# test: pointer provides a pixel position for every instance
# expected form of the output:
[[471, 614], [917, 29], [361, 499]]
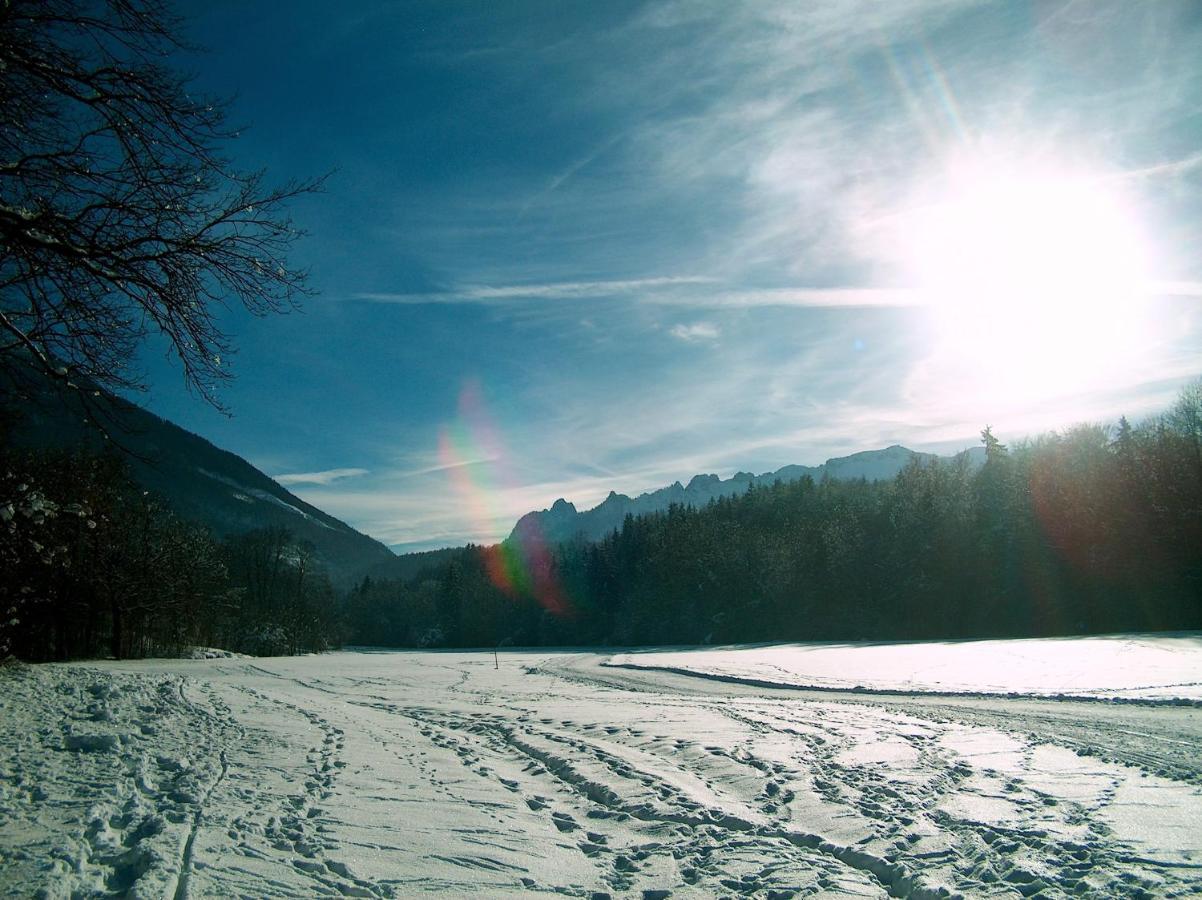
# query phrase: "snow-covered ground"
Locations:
[[394, 773], [1160, 667]]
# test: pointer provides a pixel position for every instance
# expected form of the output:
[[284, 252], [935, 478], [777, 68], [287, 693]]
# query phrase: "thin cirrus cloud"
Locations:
[[436, 468], [696, 291], [486, 294], [802, 297], [710, 293]]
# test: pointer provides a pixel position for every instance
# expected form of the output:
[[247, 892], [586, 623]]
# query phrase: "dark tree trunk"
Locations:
[[115, 636]]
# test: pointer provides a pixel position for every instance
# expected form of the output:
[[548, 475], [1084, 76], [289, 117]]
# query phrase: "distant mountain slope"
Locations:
[[405, 566], [202, 482], [563, 521]]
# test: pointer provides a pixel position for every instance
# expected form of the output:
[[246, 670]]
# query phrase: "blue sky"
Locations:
[[575, 247]]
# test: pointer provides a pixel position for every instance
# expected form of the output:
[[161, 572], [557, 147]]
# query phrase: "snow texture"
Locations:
[[379, 774]]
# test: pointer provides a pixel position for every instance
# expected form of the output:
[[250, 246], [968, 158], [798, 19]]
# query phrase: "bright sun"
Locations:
[[1035, 279]]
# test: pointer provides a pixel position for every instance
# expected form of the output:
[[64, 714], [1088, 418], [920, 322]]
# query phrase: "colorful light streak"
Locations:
[[476, 462]]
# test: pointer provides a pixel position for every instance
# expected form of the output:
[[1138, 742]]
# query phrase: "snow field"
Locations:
[[1113, 667], [394, 774], [104, 778]]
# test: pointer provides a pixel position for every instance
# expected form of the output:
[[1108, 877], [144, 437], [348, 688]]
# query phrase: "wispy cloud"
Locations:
[[818, 298], [562, 290], [1169, 169], [697, 331], [694, 291], [571, 171], [327, 477], [446, 467]]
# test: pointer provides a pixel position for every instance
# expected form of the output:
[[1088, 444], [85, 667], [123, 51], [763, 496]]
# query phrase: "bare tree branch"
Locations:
[[119, 215]]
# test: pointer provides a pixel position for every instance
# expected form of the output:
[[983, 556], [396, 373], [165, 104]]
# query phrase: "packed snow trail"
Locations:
[[379, 774]]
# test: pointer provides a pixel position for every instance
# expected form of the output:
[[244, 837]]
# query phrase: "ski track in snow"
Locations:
[[377, 774]]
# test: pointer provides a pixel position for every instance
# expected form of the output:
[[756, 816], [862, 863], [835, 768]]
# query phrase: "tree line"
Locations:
[[94, 566], [1089, 530]]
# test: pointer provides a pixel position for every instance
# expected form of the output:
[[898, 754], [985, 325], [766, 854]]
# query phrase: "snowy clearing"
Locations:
[[382, 774], [1161, 667]]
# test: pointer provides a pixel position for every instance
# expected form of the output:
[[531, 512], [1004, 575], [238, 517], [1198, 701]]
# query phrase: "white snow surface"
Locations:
[[1160, 667], [212, 653], [382, 774]]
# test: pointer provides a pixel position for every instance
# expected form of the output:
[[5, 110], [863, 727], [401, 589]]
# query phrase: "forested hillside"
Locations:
[[1093, 529], [196, 479], [93, 565]]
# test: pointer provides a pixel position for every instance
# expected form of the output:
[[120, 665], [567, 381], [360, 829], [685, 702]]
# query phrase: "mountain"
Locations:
[[563, 521], [200, 481]]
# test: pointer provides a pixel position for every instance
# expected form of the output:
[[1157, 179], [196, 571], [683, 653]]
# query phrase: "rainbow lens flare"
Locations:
[[473, 454]]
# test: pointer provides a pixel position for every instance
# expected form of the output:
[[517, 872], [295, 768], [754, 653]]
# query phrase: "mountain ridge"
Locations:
[[562, 521]]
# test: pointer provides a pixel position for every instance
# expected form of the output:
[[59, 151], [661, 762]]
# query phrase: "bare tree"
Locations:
[[119, 215]]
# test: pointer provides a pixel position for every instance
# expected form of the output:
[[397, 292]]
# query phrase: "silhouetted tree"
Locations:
[[119, 215]]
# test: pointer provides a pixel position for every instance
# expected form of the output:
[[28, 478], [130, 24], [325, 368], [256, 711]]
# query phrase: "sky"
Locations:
[[574, 247]]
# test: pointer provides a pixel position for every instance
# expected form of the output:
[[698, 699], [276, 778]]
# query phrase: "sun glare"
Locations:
[[1035, 280]]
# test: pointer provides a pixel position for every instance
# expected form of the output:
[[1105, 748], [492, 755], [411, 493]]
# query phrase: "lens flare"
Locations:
[[473, 454]]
